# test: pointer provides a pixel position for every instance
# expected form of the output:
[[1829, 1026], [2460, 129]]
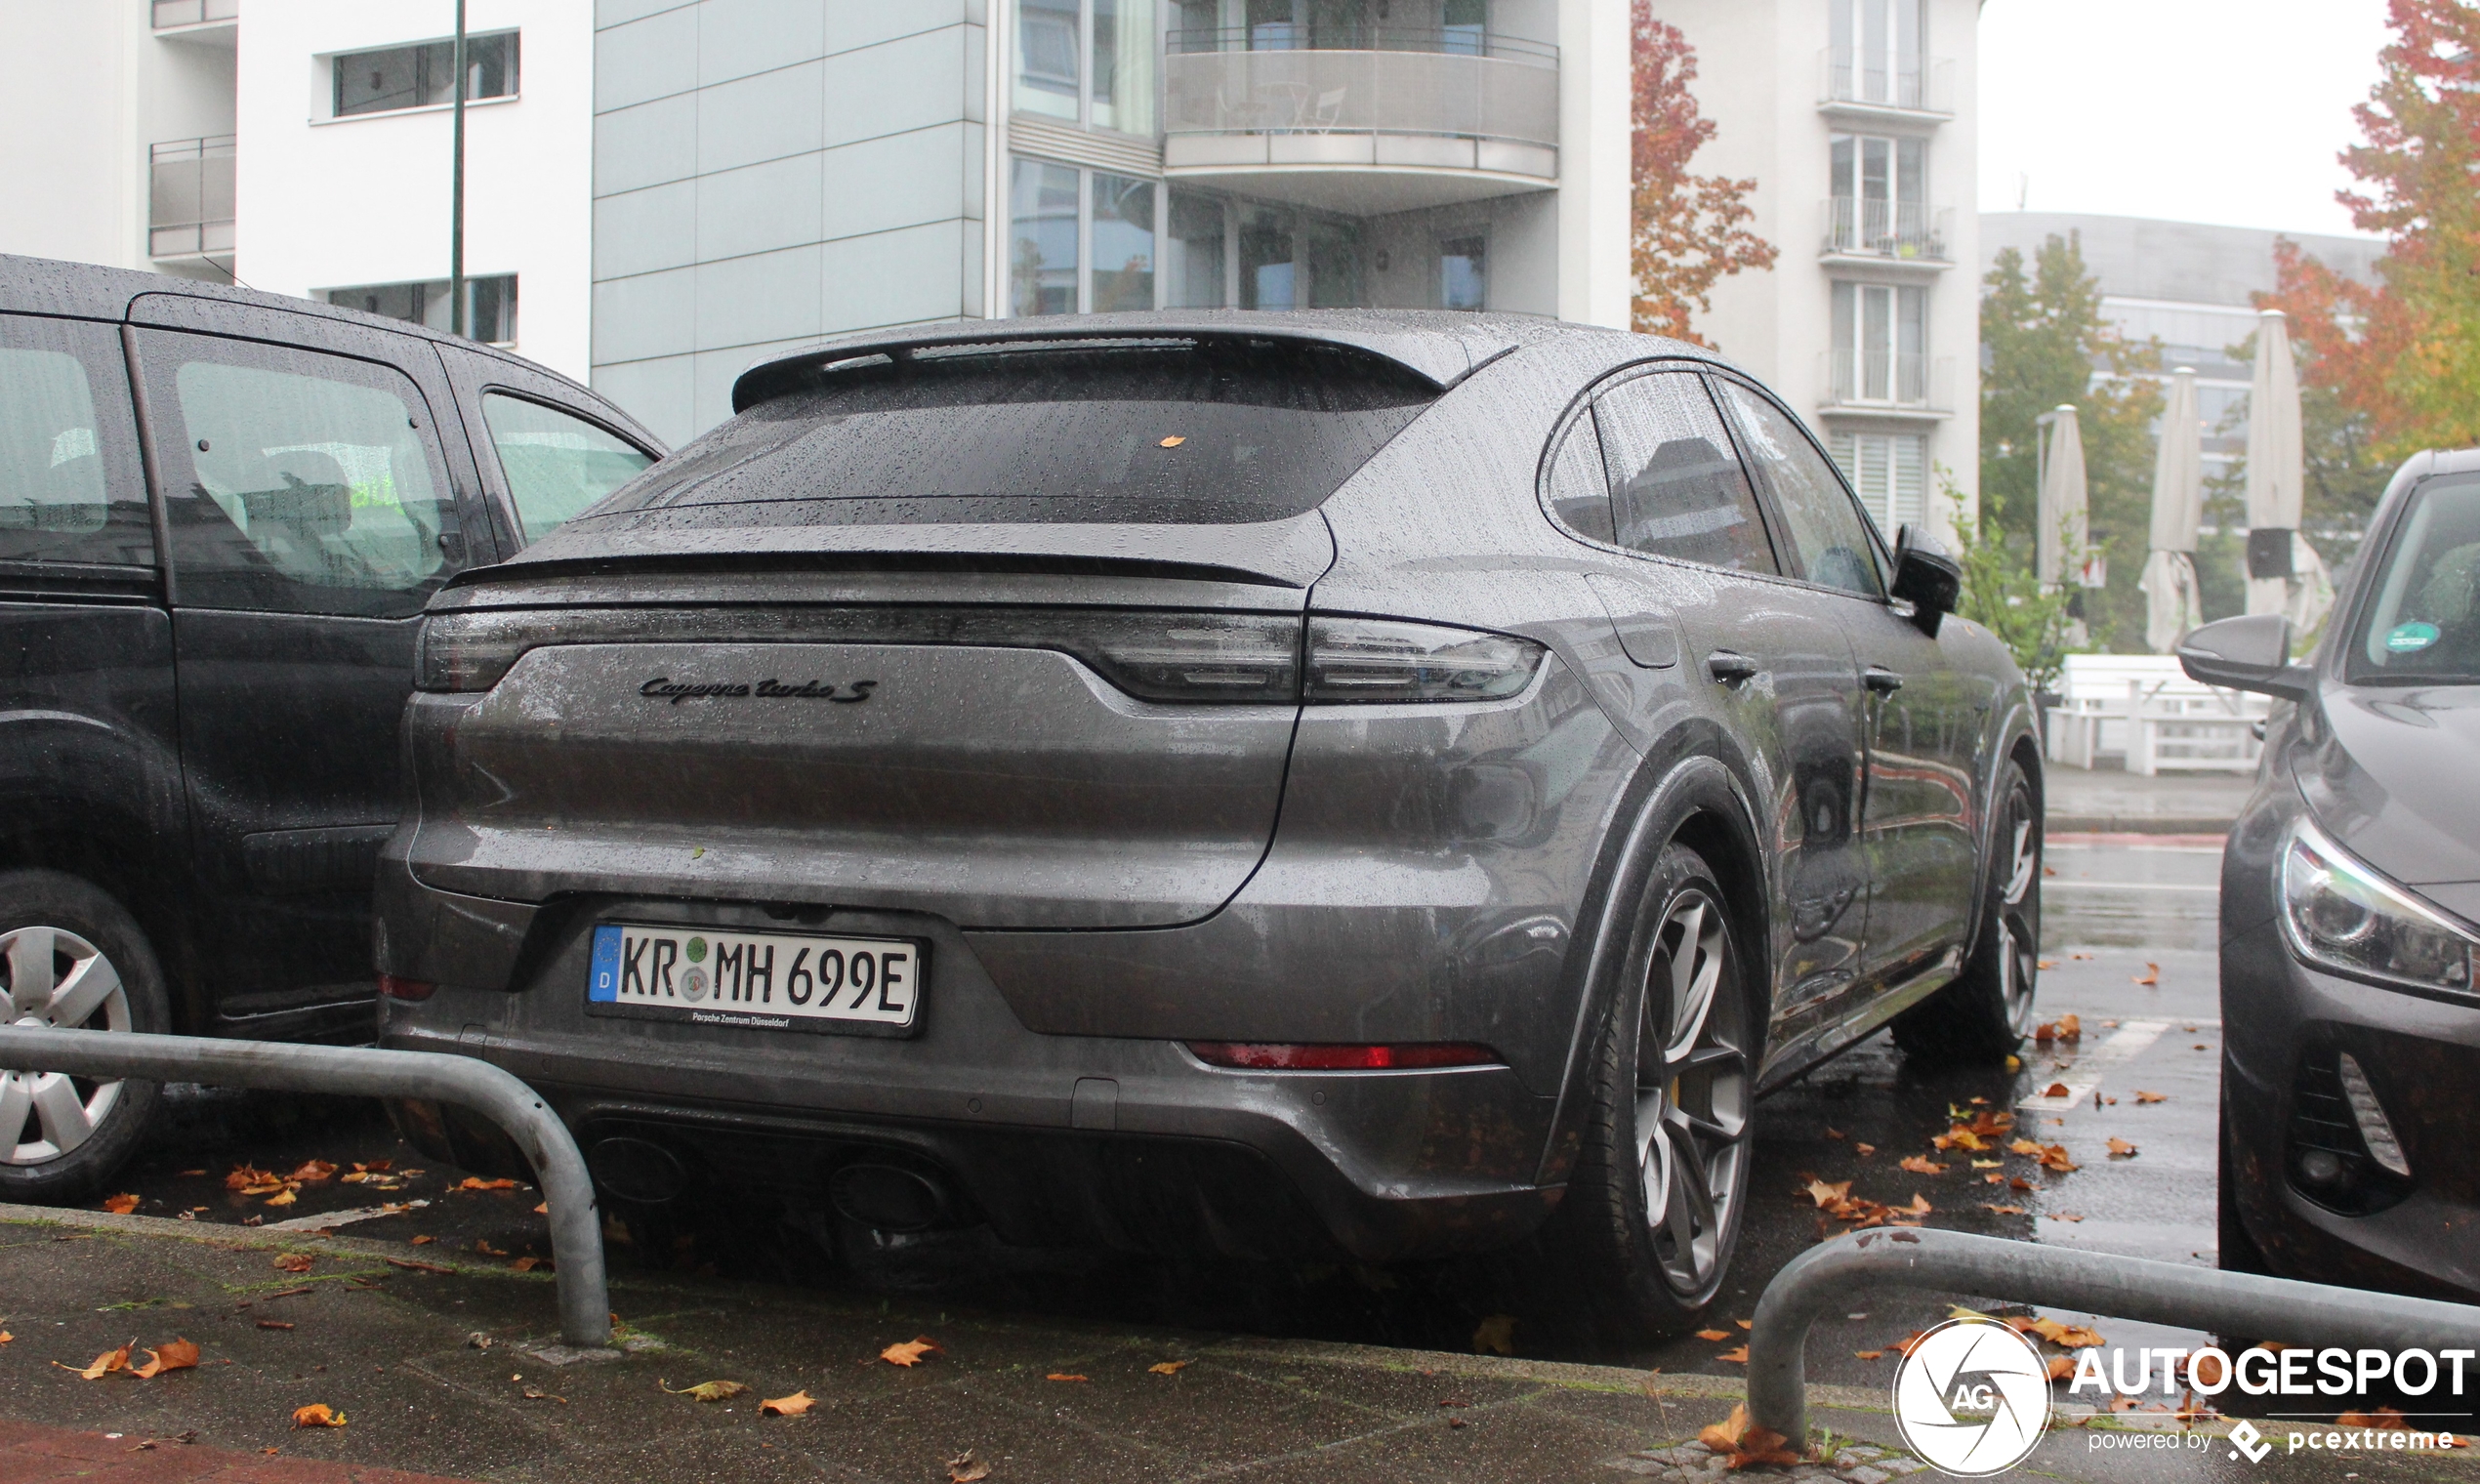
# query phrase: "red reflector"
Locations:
[[1263, 1055], [397, 988]]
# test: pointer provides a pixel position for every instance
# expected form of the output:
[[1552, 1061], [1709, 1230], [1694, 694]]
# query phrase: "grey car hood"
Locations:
[[2396, 781]]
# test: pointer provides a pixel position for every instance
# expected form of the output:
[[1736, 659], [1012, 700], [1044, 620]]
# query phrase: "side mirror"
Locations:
[[1926, 578], [2250, 652]]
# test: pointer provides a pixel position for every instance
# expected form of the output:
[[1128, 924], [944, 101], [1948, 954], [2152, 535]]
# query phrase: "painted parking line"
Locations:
[[2084, 1074]]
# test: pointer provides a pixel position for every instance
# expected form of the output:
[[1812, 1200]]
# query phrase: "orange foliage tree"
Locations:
[[1688, 232], [2405, 355]]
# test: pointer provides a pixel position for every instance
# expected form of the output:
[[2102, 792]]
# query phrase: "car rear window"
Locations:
[[1203, 432]]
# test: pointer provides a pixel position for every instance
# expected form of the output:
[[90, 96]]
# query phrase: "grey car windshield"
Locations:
[[2423, 619], [1208, 432]]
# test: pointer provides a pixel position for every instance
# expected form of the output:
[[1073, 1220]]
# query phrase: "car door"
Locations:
[[313, 510], [1781, 670], [545, 451], [1917, 813]]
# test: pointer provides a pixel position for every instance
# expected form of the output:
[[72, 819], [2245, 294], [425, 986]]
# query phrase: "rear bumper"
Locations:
[[1054, 1140]]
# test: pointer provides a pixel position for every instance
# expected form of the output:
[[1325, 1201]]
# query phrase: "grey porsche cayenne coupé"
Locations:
[[1278, 784]]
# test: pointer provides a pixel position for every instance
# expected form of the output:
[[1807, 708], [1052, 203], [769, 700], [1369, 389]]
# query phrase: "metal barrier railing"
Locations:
[[576, 1237], [1821, 1278]]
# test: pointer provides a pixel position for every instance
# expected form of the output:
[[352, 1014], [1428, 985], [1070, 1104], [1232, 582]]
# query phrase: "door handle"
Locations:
[[1881, 679], [1730, 667]]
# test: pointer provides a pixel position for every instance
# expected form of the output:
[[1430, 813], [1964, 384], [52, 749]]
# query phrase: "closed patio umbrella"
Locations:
[[2172, 603], [2059, 542], [2285, 574]]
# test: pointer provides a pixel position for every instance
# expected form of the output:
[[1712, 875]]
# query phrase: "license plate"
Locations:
[[765, 980]]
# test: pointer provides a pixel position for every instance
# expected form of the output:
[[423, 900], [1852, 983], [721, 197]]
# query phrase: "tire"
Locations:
[[2234, 1251], [62, 1138], [1645, 1236], [1984, 1015]]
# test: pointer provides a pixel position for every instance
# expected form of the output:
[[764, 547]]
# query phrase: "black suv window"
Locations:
[[1204, 432], [67, 490], [296, 482], [1827, 530], [1677, 489], [556, 463]]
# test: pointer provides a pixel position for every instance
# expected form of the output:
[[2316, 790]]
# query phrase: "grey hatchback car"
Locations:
[[1336, 783]]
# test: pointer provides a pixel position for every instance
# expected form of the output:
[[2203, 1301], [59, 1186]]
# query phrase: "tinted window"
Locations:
[[1208, 433], [298, 483], [556, 465], [425, 76], [1677, 489], [1579, 486], [68, 493], [1827, 530], [2423, 620]]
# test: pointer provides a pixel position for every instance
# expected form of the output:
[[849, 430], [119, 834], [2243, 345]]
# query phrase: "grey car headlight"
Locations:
[[2340, 915]]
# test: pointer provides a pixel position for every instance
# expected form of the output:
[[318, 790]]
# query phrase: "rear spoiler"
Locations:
[[1441, 348]]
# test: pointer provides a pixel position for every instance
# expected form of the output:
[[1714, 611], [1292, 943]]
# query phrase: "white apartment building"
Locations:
[[1856, 120], [770, 171], [303, 146]]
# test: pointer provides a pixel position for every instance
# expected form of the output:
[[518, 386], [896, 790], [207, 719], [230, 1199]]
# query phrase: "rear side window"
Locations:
[[1182, 433], [556, 465], [66, 492], [1676, 487]]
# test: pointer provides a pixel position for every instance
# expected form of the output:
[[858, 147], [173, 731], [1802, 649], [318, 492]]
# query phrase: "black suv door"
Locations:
[[312, 508]]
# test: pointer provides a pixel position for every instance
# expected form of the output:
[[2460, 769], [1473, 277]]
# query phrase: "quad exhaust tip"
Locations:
[[891, 1197], [637, 1169]]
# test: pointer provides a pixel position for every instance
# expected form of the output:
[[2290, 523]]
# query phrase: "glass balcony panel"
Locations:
[[190, 196], [1877, 79], [176, 13], [1360, 92], [1907, 229]]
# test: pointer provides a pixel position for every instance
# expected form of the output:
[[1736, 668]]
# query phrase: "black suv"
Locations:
[[220, 512]]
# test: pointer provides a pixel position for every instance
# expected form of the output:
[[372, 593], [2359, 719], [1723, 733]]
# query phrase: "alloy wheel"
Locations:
[[57, 979], [1692, 1094], [2018, 914]]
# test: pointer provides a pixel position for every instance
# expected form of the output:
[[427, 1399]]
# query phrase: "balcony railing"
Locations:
[[1873, 79], [1862, 380], [1270, 91], [173, 12], [1901, 230], [1290, 36], [189, 197]]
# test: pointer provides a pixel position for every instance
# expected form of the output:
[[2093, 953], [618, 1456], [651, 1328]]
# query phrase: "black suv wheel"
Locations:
[[1986, 1012]]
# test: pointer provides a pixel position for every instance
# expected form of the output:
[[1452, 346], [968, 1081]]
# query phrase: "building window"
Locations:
[[1890, 473], [1123, 242], [1194, 253], [1877, 51], [424, 76], [1087, 61], [1042, 256], [1464, 273], [1062, 219], [1881, 352], [490, 305], [1880, 197]]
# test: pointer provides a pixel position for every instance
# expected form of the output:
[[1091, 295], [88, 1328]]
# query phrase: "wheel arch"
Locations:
[[2022, 747], [112, 850]]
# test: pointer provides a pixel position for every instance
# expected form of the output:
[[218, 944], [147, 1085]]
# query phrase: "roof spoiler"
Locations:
[[1441, 350]]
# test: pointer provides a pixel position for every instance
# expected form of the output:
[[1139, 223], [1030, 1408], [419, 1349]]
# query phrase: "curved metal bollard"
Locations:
[[1821, 1280], [576, 1237]]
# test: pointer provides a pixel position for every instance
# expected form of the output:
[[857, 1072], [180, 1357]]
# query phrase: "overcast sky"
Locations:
[[2228, 111]]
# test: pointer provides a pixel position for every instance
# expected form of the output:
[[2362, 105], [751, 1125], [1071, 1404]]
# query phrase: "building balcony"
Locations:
[[189, 198], [194, 15], [1899, 232], [1886, 383], [1404, 120], [1871, 84]]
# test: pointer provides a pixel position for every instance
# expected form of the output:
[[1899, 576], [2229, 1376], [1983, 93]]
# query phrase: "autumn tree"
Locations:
[[2403, 354], [1688, 232], [2045, 343]]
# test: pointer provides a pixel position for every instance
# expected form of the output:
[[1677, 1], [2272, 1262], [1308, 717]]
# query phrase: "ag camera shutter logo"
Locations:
[[1972, 1398]]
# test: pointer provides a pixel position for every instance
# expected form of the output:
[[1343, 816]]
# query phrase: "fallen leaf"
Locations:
[[293, 1262], [6, 1336], [1868, 1354], [1919, 1207], [708, 1391], [1166, 1367], [311, 1172], [1174, 441], [1065, 1376], [1865, 1149], [1713, 1334], [965, 1468], [2054, 1157], [2066, 1215], [2152, 974], [486, 1249], [2079, 954], [787, 1406], [2044, 964], [420, 1241], [1834, 1133], [273, 1323], [1922, 1164], [2123, 1404], [1496, 1333], [243, 1178], [2120, 1149], [2003, 1211], [472, 1183], [910, 1352], [282, 1197], [104, 1363], [2383, 1417], [1740, 1440], [317, 1415], [1909, 1342], [1738, 1357], [526, 1264], [2061, 1368], [542, 1210], [537, 1394], [1826, 1195], [1989, 1164], [2018, 1182], [2070, 1028], [178, 1355], [121, 1205], [1744, 1324], [2142, 1097], [2025, 1146]]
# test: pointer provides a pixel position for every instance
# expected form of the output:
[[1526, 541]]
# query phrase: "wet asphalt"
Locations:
[[2118, 912]]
